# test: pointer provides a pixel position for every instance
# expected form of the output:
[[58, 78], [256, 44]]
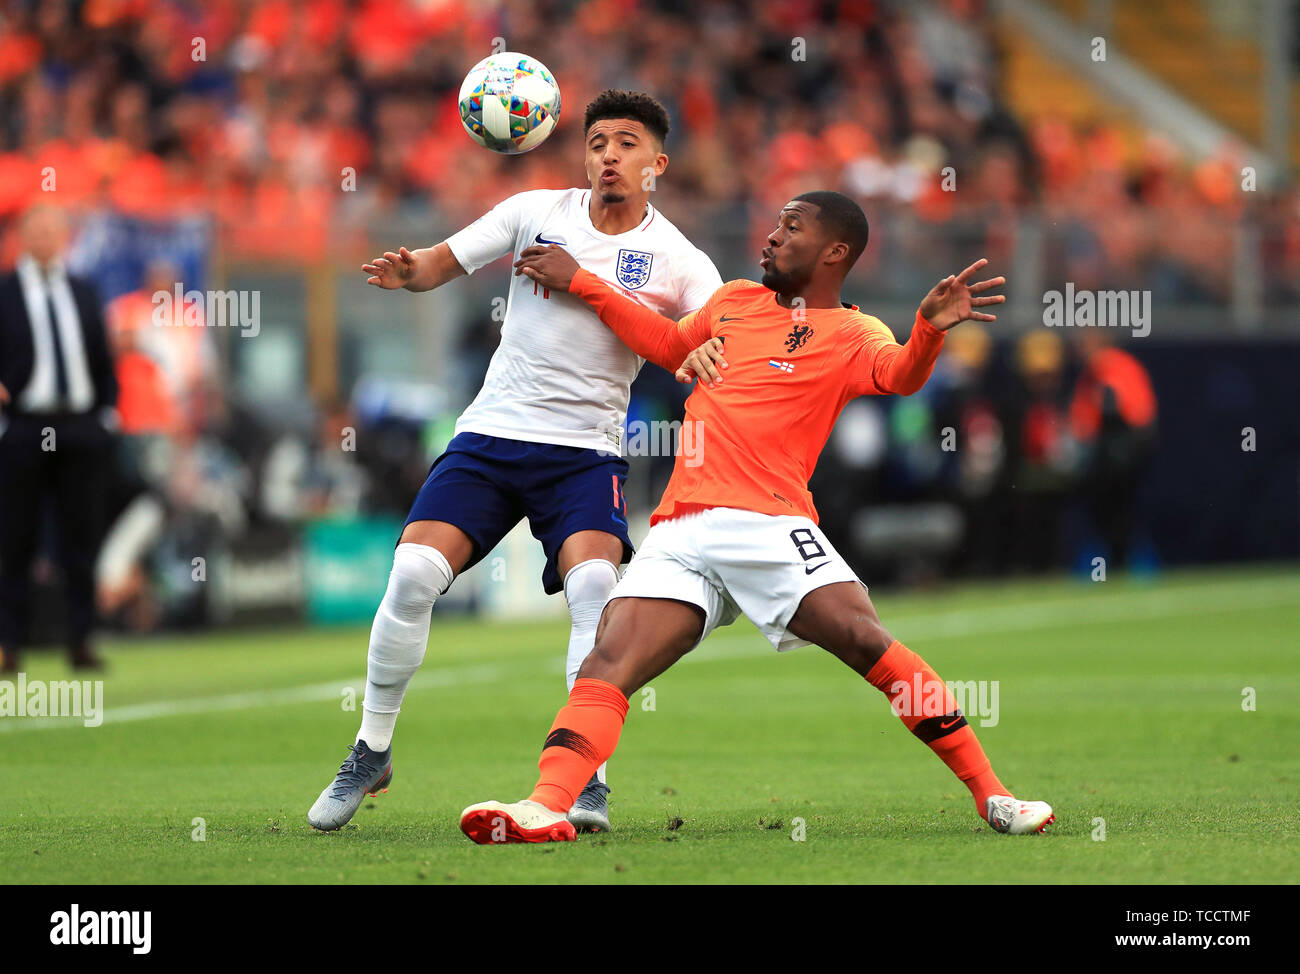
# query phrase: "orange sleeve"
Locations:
[[652, 336], [881, 365]]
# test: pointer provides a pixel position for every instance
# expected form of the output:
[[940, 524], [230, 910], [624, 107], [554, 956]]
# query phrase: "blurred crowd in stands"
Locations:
[[299, 127], [252, 110]]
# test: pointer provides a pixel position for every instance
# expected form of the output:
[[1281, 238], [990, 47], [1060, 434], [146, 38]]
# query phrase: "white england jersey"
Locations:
[[560, 376]]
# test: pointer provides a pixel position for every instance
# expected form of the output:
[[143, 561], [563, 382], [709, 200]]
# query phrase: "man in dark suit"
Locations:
[[58, 395]]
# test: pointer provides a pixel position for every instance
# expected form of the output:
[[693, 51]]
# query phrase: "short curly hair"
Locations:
[[842, 217], [636, 105]]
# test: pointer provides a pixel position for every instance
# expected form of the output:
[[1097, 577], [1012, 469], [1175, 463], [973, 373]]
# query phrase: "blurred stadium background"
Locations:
[[271, 147]]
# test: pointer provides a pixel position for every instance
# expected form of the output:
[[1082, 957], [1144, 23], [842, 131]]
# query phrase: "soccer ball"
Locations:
[[509, 103]]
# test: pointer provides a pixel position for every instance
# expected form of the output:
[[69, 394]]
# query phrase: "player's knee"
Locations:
[[420, 574], [590, 582]]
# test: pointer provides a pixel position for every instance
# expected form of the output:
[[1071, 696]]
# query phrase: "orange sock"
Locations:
[[583, 736], [929, 711]]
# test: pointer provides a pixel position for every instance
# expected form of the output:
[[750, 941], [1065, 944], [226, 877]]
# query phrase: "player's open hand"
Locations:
[[952, 300], [391, 271], [705, 363], [550, 266]]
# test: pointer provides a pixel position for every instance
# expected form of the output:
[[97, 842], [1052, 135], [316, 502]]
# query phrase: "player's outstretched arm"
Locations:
[[652, 336], [418, 270]]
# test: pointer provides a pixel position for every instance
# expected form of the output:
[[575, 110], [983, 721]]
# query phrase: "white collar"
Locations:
[[26, 265], [645, 222]]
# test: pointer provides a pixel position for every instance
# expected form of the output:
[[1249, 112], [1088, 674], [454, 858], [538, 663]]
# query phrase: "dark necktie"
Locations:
[[60, 366]]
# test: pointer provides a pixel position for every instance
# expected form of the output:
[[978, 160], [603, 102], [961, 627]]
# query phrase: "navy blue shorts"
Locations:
[[485, 485]]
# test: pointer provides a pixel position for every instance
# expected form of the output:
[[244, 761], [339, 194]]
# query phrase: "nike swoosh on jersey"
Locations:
[[809, 571], [725, 318], [538, 239]]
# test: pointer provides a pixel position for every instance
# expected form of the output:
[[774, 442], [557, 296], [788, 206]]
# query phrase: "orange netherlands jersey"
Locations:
[[758, 435]]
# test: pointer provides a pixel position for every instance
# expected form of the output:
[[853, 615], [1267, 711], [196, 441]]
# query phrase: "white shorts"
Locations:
[[728, 561]]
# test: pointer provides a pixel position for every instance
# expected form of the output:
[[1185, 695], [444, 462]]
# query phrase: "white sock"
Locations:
[[586, 589], [399, 637]]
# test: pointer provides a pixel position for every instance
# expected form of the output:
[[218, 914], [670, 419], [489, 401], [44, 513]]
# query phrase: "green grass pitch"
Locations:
[[1119, 701]]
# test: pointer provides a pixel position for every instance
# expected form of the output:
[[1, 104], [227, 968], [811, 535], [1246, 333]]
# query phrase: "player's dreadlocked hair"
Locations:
[[842, 217], [636, 105]]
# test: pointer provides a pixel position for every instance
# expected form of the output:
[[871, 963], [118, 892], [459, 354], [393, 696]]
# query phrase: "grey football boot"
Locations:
[[365, 772], [590, 813]]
